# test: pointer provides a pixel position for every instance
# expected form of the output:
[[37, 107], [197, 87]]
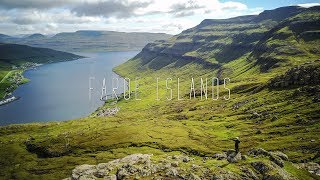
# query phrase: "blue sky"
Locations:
[[272, 4], [167, 16]]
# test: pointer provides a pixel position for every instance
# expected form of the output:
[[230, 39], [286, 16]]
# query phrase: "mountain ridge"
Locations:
[[221, 41], [89, 40]]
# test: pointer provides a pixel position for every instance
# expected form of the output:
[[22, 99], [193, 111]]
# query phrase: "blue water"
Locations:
[[60, 91]]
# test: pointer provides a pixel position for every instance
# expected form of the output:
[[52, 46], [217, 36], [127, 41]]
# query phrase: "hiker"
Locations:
[[236, 144]]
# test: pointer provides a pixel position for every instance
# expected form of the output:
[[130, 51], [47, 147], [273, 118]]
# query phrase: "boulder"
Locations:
[[248, 174], [229, 152], [225, 175], [220, 156], [255, 115], [122, 173], [276, 157], [186, 159], [192, 176], [270, 170], [175, 164], [276, 160], [110, 177], [234, 157], [172, 172], [84, 170], [261, 167], [282, 155], [312, 167]]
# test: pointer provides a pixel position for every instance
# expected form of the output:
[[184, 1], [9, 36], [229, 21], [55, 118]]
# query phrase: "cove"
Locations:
[[59, 91]]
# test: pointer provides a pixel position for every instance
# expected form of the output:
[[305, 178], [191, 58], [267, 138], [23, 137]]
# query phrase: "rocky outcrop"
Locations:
[[107, 112], [312, 167], [270, 170], [135, 166], [308, 74], [276, 157], [261, 165]]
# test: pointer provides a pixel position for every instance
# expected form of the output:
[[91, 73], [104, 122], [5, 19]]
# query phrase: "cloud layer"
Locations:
[[52, 16]]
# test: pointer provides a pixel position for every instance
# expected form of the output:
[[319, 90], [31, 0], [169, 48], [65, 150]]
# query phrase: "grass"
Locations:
[[150, 126], [199, 128]]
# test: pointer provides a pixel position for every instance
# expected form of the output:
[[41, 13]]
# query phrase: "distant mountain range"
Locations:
[[87, 40]]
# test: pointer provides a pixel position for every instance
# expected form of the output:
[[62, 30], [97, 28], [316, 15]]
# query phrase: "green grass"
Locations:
[[195, 127]]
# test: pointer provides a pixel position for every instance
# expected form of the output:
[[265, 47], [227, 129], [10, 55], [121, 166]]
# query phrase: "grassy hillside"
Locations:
[[272, 61], [89, 40]]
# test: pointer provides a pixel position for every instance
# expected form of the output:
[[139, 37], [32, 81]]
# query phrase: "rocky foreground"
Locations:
[[257, 164]]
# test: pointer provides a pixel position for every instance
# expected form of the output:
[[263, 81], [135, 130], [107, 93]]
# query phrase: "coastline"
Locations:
[[22, 80]]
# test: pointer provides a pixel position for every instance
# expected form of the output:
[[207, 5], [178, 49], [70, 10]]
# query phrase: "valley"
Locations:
[[272, 61]]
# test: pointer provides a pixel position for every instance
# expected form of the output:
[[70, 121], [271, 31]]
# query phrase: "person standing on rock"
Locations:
[[236, 144]]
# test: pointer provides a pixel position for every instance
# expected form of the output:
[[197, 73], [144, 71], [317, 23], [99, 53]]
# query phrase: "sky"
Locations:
[[166, 16]]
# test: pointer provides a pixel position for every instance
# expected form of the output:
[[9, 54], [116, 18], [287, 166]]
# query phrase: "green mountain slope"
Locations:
[[217, 42], [86, 40], [272, 62]]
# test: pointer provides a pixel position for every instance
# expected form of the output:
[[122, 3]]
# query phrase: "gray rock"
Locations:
[[172, 172], [122, 173], [270, 170], [83, 170], [248, 174], [175, 164], [276, 160], [195, 167], [225, 175], [230, 151], [86, 177], [255, 115], [186, 159], [234, 158], [276, 157], [110, 177], [100, 173], [244, 157], [192, 176], [281, 155], [261, 167], [219, 156], [312, 167]]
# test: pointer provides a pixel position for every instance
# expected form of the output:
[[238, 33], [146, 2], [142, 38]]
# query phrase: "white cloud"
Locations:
[[307, 5], [122, 15]]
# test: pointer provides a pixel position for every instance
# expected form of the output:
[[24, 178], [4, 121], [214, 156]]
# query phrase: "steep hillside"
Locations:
[[281, 36], [86, 40], [272, 60]]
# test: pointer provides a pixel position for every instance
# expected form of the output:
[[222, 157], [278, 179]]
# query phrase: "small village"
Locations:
[[15, 79]]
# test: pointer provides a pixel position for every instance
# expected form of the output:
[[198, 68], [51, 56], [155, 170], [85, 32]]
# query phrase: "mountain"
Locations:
[[36, 36], [87, 40], [272, 61], [268, 38], [166, 129], [13, 54], [4, 37]]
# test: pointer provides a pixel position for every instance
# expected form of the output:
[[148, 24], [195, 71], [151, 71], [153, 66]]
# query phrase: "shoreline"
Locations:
[[14, 85]]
